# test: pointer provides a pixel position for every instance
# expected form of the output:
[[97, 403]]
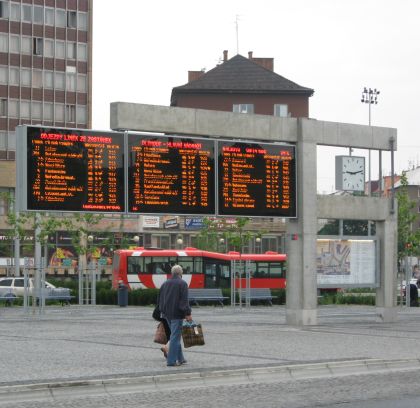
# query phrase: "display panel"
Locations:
[[256, 179], [170, 175], [347, 262], [75, 170]]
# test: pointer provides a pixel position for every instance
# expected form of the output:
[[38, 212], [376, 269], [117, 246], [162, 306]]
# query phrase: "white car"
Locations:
[[15, 285]]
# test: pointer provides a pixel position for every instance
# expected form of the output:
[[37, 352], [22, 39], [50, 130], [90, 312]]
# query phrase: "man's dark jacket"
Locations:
[[173, 298]]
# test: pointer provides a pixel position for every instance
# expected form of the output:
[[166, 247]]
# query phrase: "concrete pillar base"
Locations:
[[301, 317], [386, 314]]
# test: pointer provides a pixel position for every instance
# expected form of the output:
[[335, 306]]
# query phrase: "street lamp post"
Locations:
[[370, 96], [179, 241], [222, 243], [136, 239], [257, 244]]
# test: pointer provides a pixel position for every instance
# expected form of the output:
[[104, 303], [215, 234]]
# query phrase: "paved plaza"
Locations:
[[86, 345]]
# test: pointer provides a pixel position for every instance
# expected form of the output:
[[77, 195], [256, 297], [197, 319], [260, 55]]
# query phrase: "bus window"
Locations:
[[157, 265], [134, 265], [263, 269], [252, 268], [187, 263], [198, 265], [276, 270], [225, 271]]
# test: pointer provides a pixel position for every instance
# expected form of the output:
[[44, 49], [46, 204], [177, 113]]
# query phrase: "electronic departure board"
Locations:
[[170, 175], [74, 170], [256, 179]]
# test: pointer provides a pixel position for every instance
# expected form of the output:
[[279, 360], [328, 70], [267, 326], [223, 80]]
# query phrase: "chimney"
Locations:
[[267, 63], [250, 55], [225, 55], [193, 75]]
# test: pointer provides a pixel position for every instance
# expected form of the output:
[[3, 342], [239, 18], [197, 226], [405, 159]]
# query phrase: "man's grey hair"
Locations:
[[176, 270]]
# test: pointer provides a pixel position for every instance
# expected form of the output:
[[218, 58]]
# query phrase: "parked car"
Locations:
[[15, 285]]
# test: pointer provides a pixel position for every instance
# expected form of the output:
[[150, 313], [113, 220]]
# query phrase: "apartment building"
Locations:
[[45, 66]]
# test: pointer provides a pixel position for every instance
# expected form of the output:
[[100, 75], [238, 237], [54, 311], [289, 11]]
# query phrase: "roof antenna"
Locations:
[[237, 34]]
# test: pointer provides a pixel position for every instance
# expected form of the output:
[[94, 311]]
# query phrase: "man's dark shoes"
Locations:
[[174, 365]]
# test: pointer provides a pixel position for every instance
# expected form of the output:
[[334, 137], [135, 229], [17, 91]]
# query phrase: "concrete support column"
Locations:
[[301, 289], [386, 310]]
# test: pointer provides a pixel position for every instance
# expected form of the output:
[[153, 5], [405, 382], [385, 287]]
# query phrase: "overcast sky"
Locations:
[[142, 49]]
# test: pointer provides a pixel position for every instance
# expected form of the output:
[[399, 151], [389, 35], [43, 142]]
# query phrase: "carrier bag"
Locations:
[[160, 335], [192, 334]]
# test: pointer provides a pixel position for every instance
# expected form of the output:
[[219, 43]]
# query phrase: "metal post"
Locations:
[[17, 256], [93, 282], [391, 144], [25, 289], [407, 283], [248, 283]]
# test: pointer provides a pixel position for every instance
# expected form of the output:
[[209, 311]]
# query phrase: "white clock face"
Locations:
[[353, 173]]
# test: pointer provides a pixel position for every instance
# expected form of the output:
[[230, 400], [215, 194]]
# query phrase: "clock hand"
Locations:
[[353, 172]]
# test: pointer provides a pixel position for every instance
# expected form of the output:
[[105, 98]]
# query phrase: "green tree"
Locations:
[[408, 240], [235, 235]]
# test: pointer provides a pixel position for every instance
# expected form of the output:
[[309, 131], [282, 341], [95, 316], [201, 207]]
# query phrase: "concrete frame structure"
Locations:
[[301, 295]]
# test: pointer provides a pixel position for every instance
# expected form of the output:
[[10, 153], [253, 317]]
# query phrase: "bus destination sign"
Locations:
[[169, 174], [256, 179], [75, 170]]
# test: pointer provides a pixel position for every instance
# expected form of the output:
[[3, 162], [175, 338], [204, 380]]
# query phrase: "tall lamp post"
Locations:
[[370, 96]]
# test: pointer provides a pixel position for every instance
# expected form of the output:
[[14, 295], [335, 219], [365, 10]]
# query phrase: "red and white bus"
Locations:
[[149, 268]]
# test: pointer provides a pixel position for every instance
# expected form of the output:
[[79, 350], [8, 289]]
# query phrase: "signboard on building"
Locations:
[[347, 263], [171, 223], [193, 223], [151, 222]]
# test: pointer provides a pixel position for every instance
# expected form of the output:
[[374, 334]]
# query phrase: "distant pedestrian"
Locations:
[[414, 294], [416, 272], [175, 307]]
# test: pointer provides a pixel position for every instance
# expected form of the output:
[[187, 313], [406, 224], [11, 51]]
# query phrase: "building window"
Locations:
[[281, 110], [243, 108], [3, 107], [4, 75], [60, 18], [60, 49], [82, 114], [37, 78], [27, 13], [13, 108], [38, 15], [71, 82], [38, 46], [71, 50], [26, 45], [71, 19], [82, 52], [49, 16], [14, 76], [25, 77], [4, 43], [15, 44], [81, 83], [70, 113], [48, 111], [59, 112], [3, 140], [36, 110], [4, 9], [82, 23], [59, 80], [48, 79], [11, 141], [15, 11], [48, 48], [25, 110]]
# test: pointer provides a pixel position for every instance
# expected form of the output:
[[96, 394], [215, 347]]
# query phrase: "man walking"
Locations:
[[175, 307]]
